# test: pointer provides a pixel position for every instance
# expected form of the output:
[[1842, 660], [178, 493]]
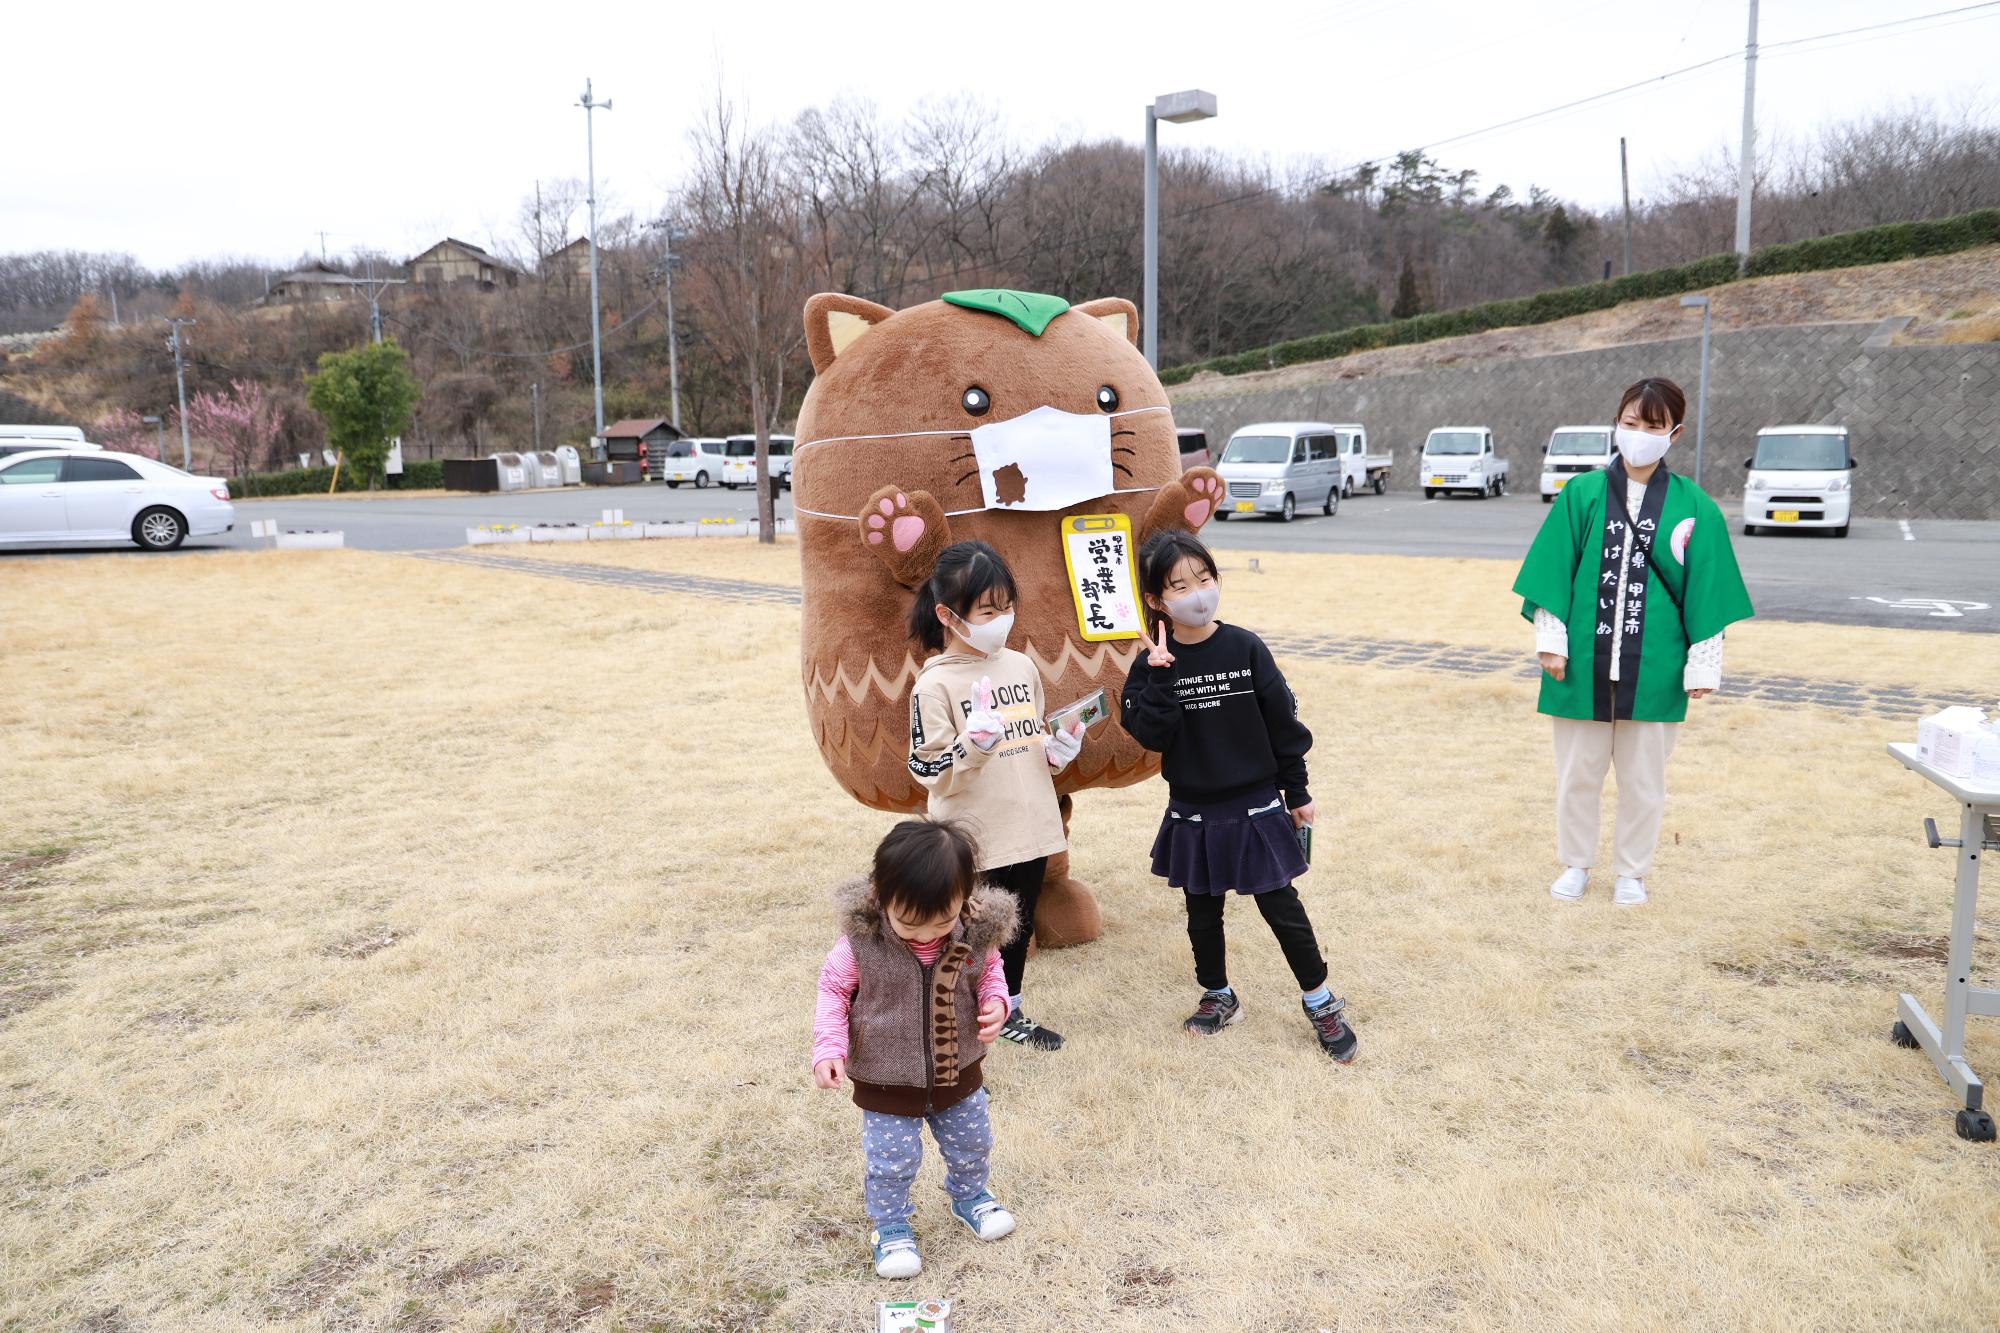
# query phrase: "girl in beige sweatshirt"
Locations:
[[979, 746]]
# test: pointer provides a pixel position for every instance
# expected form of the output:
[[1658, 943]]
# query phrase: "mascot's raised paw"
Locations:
[[1187, 502], [906, 529]]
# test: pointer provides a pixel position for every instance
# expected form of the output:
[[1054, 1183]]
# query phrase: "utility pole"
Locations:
[[375, 287], [1744, 160], [668, 263], [589, 105], [1625, 185], [113, 291], [322, 247], [180, 387], [535, 400]]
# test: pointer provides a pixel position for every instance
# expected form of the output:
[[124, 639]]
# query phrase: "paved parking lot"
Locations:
[[1916, 574], [1919, 574]]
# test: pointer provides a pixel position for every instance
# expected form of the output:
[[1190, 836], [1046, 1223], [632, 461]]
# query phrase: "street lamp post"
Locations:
[[1180, 108], [589, 105], [1701, 392]]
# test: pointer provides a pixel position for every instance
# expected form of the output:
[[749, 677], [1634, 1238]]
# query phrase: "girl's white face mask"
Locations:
[[1044, 459], [1641, 448], [989, 638], [1196, 608]]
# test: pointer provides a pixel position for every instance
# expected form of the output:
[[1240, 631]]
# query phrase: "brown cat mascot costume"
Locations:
[[887, 473]]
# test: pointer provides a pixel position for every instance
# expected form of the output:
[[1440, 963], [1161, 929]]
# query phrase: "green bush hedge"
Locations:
[[418, 475], [1874, 245]]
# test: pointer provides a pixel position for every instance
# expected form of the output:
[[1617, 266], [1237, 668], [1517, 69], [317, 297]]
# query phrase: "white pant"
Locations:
[[1585, 751]]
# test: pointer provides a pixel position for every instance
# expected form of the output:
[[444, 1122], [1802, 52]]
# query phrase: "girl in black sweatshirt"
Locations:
[[1210, 698]]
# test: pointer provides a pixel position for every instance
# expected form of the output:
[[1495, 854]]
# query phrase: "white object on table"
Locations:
[[1979, 829]]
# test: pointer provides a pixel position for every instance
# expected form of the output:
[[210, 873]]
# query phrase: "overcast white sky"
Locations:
[[178, 131]]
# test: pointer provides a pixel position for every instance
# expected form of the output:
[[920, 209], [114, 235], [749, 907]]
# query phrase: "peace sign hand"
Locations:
[[1158, 656], [983, 726]]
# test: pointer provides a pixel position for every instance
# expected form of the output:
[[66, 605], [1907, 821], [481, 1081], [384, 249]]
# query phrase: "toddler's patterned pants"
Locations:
[[893, 1146]]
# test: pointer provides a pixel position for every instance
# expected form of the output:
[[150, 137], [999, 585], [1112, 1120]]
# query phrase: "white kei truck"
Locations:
[[1461, 458]]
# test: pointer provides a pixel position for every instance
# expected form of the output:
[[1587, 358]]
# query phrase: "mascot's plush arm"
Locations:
[[1190, 500], [906, 529]]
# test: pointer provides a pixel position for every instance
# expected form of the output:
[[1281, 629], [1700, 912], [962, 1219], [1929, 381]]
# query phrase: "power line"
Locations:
[[1878, 27]]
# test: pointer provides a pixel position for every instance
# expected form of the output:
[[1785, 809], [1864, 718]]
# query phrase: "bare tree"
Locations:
[[746, 267]]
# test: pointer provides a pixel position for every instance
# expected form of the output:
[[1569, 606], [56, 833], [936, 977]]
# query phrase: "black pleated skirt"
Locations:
[[1247, 845]]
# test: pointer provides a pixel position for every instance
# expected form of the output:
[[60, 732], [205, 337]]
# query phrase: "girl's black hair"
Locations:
[[1164, 550], [965, 572], [925, 867]]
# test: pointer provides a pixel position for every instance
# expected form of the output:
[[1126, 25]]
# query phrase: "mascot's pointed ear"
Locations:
[[834, 321], [1116, 311]]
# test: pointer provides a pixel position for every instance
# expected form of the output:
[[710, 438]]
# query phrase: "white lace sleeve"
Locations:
[[1551, 635], [1704, 668]]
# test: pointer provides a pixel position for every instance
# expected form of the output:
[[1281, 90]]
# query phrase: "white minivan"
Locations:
[[1572, 450], [1274, 467], [697, 460], [1800, 477], [1461, 458]]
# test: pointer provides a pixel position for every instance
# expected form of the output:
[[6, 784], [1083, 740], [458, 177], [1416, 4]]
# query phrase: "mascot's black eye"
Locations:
[[976, 400], [1107, 398]]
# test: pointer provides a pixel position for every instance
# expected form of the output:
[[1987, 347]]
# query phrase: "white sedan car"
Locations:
[[57, 497]]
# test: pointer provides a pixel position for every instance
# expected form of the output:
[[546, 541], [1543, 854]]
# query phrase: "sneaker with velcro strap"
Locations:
[[1336, 1038], [1216, 1011], [983, 1215], [896, 1251]]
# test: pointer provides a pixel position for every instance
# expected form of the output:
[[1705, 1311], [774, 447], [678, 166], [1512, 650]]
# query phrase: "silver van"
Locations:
[[1276, 467]]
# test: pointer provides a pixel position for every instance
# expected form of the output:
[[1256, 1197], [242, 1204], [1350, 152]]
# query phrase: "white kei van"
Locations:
[[695, 460], [1572, 450], [739, 466], [1800, 477]]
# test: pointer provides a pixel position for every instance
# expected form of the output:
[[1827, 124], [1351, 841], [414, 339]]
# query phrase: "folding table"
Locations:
[[1978, 830]]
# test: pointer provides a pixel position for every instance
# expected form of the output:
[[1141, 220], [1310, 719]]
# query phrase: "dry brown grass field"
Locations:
[[395, 944]]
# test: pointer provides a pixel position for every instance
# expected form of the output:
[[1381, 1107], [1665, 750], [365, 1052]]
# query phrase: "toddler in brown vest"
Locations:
[[909, 998]]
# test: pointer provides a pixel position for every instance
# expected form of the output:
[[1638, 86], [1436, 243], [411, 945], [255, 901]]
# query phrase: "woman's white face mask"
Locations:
[[1642, 448], [986, 639]]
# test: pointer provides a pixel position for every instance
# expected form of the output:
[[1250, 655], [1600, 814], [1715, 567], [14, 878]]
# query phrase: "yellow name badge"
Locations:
[[1097, 550]]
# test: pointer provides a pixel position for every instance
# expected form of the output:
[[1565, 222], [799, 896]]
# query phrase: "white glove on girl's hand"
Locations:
[[983, 726], [1063, 746]]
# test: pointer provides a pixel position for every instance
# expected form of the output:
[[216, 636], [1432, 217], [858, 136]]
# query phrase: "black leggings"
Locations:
[[1283, 913], [1024, 881]]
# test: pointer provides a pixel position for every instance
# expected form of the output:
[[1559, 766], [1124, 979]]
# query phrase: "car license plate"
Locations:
[[1784, 515], [1437, 481], [1246, 506]]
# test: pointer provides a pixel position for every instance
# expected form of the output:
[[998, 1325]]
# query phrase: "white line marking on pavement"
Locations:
[[1908, 536]]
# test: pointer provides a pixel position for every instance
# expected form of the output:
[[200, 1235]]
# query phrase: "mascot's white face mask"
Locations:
[[1044, 459], [1041, 460]]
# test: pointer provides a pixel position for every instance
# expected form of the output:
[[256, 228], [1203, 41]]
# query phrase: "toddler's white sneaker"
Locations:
[[1568, 887], [1628, 892]]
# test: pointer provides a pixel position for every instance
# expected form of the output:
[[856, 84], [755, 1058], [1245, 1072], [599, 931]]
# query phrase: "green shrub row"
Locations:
[[1873, 245], [1880, 245], [422, 474]]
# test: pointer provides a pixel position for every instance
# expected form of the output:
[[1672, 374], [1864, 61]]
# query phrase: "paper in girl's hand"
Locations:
[[1085, 712]]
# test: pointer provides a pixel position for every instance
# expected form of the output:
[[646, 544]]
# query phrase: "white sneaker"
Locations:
[[896, 1251], [1568, 887], [1628, 892]]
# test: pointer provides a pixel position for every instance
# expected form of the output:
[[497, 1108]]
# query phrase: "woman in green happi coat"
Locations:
[[1630, 584]]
